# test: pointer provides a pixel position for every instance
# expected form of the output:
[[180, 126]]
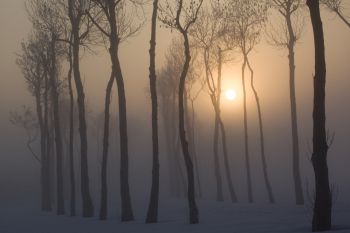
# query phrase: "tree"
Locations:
[[77, 17], [118, 23], [247, 18], [32, 68], [208, 34], [168, 90], [152, 214], [322, 217], [181, 19], [337, 7], [286, 37], [71, 134], [44, 16]]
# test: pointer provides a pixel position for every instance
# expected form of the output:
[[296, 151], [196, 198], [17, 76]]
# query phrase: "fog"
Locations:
[[19, 172]]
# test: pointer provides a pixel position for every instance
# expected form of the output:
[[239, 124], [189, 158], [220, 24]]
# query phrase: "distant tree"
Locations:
[[152, 213], [337, 6], [44, 16], [286, 36], [78, 32], [247, 17], [167, 91], [322, 218], [32, 67], [117, 21], [181, 17], [208, 35]]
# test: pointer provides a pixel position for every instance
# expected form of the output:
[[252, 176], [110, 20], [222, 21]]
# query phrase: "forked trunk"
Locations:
[[127, 212]]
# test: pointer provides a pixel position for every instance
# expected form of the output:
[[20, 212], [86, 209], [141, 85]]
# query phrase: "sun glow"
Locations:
[[231, 94]]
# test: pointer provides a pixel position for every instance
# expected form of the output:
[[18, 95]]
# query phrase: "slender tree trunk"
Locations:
[[47, 171], [71, 137], [44, 198], [88, 208], [322, 218], [193, 211], [193, 145], [152, 214], [57, 126], [262, 140], [296, 156], [103, 210], [223, 132], [127, 212], [246, 148], [190, 138], [217, 170]]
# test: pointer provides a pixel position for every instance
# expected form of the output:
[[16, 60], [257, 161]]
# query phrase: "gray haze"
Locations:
[[19, 172]]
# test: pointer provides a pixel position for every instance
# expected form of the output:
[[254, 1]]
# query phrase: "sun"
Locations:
[[231, 94]]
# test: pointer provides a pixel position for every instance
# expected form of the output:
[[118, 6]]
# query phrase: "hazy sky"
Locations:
[[271, 69]]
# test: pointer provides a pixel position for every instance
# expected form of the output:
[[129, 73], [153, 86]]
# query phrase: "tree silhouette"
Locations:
[[286, 36], [208, 35], [322, 218], [181, 17], [152, 214], [247, 17], [117, 22]]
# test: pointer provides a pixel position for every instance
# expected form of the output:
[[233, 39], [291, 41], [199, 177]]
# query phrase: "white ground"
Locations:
[[214, 218]]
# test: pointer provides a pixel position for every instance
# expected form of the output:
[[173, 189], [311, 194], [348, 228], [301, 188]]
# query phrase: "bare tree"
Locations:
[[118, 22], [44, 16], [32, 68], [79, 29], [322, 218], [181, 17], [152, 214], [247, 18], [208, 34], [168, 90], [286, 36], [337, 6]]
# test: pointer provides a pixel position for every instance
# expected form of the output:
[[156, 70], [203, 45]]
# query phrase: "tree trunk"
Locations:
[[246, 148], [71, 137], [193, 211], [45, 204], [233, 195], [103, 210], [322, 218], [57, 126], [47, 172], [193, 145], [217, 170], [262, 140], [127, 212], [152, 214], [88, 208], [299, 197]]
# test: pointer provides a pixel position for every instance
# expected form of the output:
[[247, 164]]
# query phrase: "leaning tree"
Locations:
[[181, 16]]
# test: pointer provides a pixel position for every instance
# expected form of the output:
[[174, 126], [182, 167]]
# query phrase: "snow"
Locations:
[[214, 218]]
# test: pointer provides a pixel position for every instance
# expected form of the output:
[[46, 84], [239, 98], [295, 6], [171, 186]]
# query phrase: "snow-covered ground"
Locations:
[[214, 218]]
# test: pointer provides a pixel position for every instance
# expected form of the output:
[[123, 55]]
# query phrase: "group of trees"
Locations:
[[211, 33]]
